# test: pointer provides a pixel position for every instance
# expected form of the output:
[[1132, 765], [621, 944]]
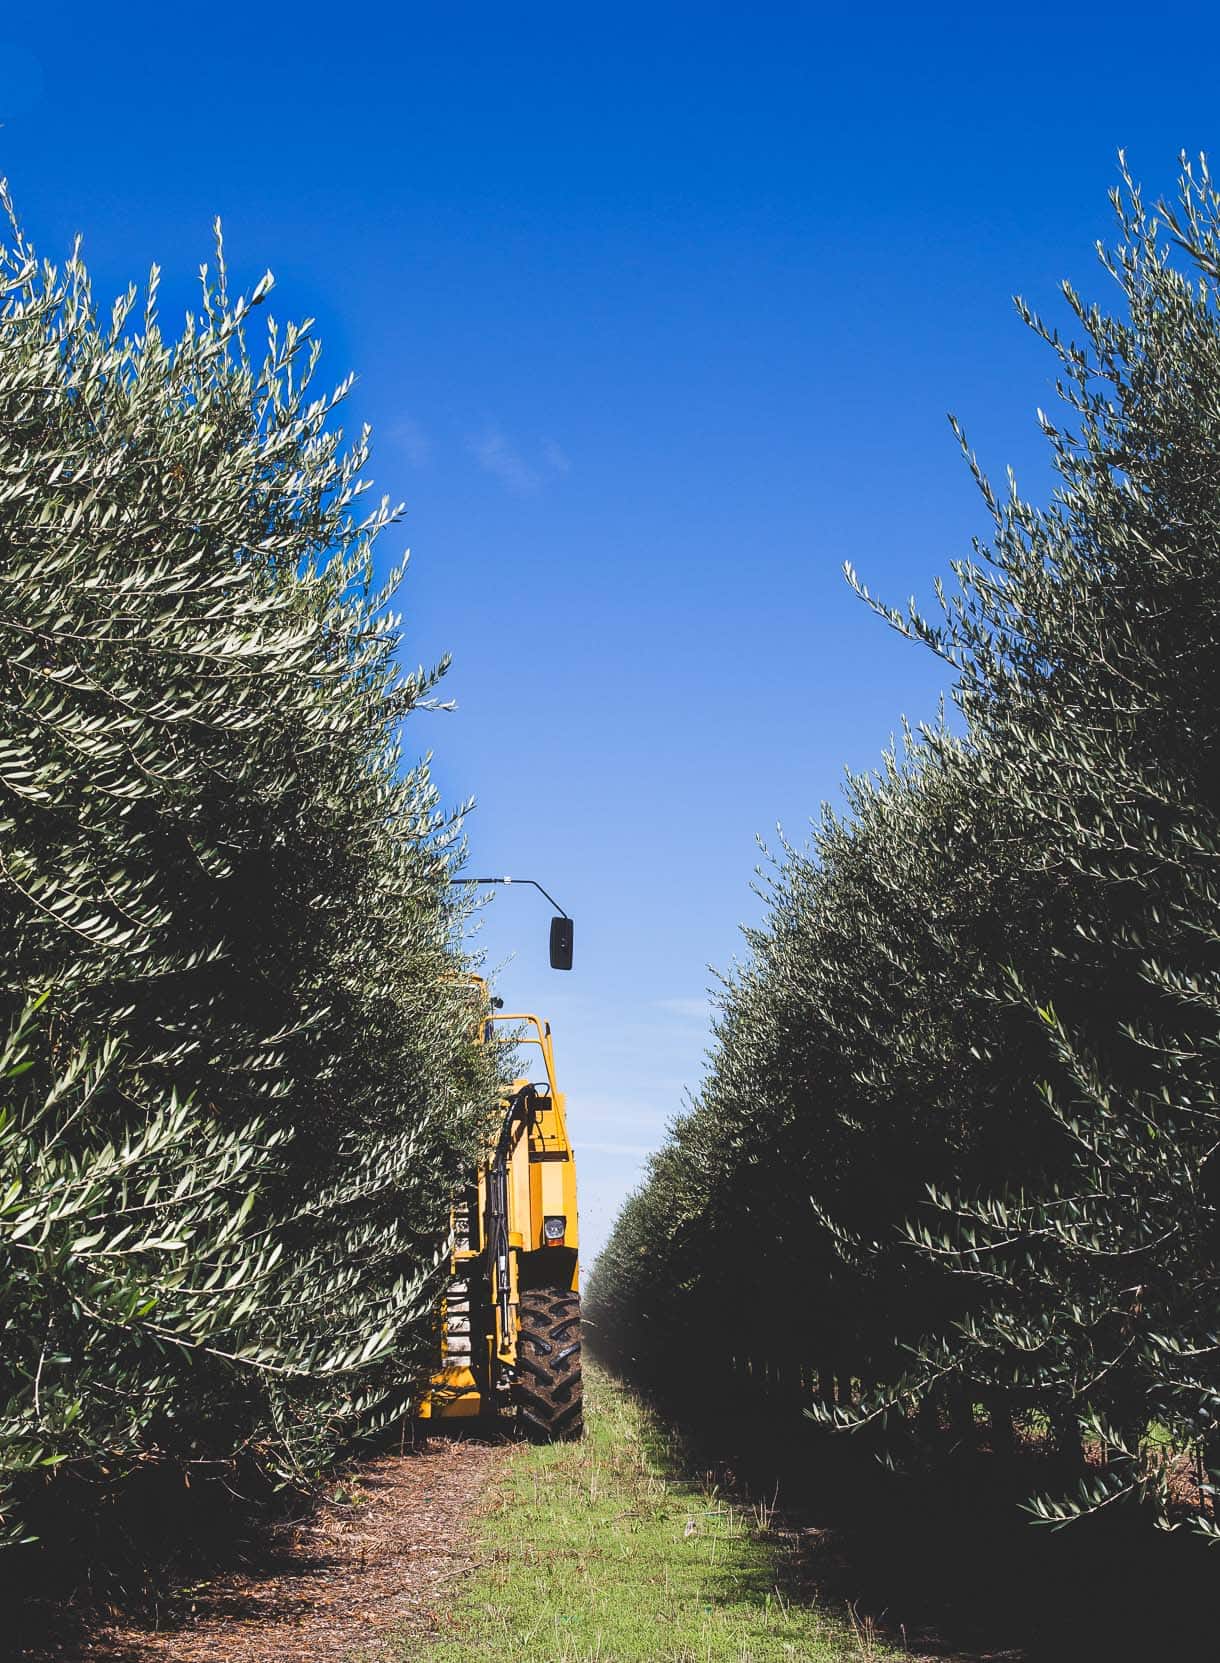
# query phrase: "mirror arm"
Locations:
[[533, 881]]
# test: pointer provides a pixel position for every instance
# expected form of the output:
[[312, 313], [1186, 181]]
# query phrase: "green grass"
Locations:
[[601, 1552]]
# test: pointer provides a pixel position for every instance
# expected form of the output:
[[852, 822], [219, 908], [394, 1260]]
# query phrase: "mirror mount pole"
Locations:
[[533, 882], [561, 926]]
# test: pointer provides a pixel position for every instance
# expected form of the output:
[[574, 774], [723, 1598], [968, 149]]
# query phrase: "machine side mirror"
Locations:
[[561, 943]]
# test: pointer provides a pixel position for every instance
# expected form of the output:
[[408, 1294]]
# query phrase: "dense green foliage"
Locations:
[[956, 1143], [240, 1083]]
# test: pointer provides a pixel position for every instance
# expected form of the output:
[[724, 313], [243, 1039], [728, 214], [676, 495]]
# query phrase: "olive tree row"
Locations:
[[240, 1081], [957, 1141]]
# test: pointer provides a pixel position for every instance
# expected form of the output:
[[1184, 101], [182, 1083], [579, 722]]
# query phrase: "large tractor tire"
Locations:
[[549, 1401]]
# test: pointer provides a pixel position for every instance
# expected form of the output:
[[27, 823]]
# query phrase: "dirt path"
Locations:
[[343, 1587]]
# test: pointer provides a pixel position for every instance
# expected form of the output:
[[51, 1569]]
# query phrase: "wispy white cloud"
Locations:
[[413, 441], [693, 1010], [629, 1114], [555, 458], [637, 1150], [497, 456]]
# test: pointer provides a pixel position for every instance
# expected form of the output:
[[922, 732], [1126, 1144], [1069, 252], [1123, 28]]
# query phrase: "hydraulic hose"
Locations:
[[520, 1107]]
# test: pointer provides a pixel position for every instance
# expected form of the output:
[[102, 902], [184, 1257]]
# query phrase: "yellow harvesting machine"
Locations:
[[510, 1316]]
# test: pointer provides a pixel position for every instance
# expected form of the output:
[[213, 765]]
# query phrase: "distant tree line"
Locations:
[[239, 1081], [956, 1157]]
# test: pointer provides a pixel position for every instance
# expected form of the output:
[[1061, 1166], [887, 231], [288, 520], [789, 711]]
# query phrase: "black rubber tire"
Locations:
[[550, 1403]]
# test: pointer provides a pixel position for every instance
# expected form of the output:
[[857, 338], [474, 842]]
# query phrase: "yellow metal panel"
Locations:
[[535, 1212], [461, 1408], [519, 1192], [453, 1391], [553, 1198]]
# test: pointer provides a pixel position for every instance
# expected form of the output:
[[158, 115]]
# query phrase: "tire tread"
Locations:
[[549, 1390]]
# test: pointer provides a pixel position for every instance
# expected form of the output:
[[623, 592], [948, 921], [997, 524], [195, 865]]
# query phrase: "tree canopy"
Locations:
[[958, 1137], [240, 1082]]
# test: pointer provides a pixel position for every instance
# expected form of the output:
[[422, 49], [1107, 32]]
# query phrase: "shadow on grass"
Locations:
[[945, 1564]]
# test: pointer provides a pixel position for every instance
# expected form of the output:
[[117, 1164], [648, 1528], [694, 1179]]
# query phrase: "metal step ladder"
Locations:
[[456, 1339]]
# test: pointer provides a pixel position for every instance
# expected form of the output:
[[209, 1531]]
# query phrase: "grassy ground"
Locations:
[[600, 1552]]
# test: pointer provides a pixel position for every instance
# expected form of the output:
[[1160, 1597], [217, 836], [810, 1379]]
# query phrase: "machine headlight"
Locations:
[[554, 1228]]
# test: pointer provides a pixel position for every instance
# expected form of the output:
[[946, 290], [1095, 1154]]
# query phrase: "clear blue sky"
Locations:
[[657, 313]]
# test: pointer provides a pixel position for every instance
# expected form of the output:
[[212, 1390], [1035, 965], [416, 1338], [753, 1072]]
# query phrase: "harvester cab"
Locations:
[[510, 1317]]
